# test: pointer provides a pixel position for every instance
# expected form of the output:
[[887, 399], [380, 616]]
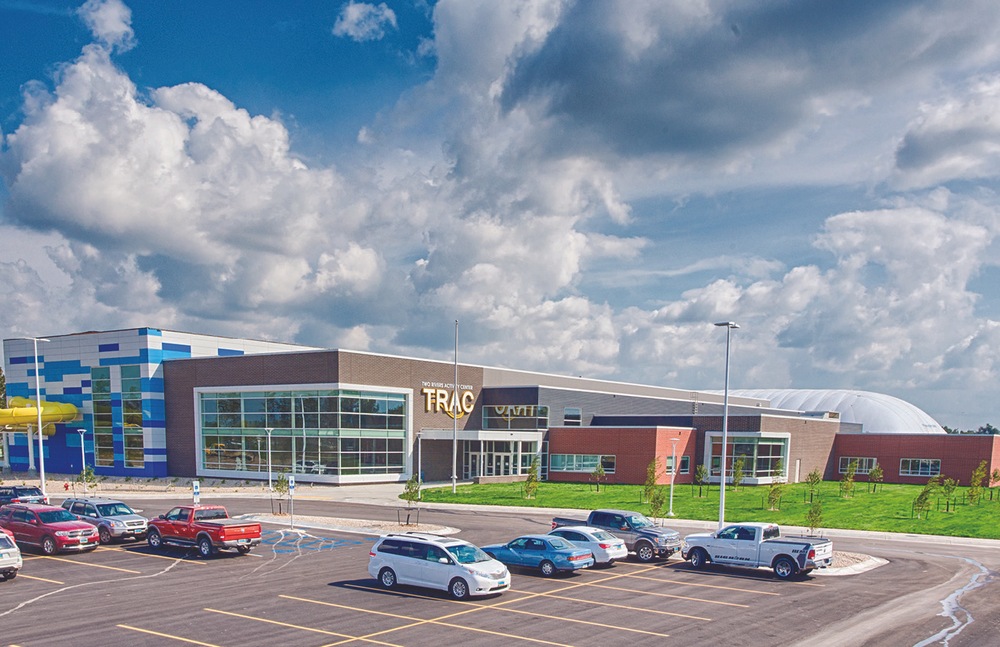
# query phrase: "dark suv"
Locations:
[[21, 494], [114, 519]]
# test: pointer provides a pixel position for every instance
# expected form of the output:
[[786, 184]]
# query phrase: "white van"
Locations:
[[10, 556], [436, 562]]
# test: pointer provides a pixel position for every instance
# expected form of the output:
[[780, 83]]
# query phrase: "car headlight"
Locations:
[[117, 524], [63, 533]]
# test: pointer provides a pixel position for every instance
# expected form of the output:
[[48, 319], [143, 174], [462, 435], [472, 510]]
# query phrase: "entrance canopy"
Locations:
[[479, 434]]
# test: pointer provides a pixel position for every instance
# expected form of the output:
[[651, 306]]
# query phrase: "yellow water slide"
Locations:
[[22, 412]]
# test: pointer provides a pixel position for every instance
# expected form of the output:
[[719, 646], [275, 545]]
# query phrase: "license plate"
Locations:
[[83, 540], [502, 583], [244, 541]]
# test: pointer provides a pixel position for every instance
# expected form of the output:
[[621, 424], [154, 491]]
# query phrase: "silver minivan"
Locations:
[[114, 519], [436, 562]]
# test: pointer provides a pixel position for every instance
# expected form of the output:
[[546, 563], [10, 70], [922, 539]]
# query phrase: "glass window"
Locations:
[[864, 466], [919, 466]]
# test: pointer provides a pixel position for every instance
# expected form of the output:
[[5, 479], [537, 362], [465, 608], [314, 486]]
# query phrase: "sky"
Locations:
[[585, 186]]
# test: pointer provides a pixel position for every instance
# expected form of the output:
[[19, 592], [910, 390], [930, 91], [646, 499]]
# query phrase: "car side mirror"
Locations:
[[444, 560], [162, 516]]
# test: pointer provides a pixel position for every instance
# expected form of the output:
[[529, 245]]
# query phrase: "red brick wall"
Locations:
[[959, 454], [633, 448]]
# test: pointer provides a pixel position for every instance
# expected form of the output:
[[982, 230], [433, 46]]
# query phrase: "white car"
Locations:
[[606, 547], [436, 562], [10, 556]]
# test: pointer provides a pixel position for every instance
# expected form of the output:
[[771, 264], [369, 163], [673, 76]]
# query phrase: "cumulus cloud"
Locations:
[[110, 21], [361, 21]]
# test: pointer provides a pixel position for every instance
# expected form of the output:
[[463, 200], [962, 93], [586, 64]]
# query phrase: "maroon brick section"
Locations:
[[959, 454], [633, 448], [181, 377]]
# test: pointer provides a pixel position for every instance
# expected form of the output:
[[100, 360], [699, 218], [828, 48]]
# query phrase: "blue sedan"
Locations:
[[548, 553]]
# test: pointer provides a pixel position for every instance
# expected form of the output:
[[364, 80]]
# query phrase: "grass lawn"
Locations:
[[889, 509]]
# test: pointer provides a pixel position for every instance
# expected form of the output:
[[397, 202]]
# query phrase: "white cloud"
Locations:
[[363, 21], [110, 21]]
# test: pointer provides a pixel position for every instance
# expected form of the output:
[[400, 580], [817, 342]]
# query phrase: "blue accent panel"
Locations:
[[177, 348], [116, 401], [155, 385], [73, 390], [85, 384], [230, 352], [18, 360], [152, 332], [121, 361], [155, 451], [57, 371], [107, 348]]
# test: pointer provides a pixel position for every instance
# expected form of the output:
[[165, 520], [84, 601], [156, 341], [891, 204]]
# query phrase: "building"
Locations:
[[158, 403]]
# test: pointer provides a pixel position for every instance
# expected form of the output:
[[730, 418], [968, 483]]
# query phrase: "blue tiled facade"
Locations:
[[67, 365]]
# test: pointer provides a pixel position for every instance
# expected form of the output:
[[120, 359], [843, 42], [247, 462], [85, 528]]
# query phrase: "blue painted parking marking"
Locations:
[[283, 541]]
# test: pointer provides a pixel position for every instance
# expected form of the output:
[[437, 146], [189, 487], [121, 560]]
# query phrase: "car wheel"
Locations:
[[387, 578], [242, 550], [644, 552], [205, 548], [458, 588], [547, 568], [154, 539], [9, 575], [698, 558], [784, 568], [48, 545], [105, 535]]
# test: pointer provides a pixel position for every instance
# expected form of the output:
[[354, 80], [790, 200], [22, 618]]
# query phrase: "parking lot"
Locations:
[[311, 587]]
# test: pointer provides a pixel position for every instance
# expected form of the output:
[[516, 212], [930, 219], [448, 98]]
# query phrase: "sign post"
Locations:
[[196, 491], [291, 500]]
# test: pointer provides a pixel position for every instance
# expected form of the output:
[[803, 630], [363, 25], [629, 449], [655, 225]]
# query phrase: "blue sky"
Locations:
[[585, 186]]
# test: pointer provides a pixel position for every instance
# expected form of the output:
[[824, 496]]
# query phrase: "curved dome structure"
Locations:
[[876, 412]]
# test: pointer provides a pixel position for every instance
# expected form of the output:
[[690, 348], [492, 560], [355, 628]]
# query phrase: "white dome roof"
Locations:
[[877, 412]]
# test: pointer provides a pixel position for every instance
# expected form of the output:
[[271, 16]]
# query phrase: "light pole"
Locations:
[[83, 458], [38, 408], [270, 488], [673, 473], [454, 415], [729, 326]]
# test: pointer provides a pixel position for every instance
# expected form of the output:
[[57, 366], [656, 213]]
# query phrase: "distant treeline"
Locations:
[[986, 429]]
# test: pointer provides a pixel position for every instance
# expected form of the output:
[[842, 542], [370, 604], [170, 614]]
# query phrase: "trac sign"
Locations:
[[446, 399], [510, 411]]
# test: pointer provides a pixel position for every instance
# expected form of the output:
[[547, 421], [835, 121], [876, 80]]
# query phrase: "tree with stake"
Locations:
[[597, 475], [652, 472], [814, 517], [738, 473], [875, 476], [813, 481], [847, 482], [531, 482], [700, 477], [975, 492]]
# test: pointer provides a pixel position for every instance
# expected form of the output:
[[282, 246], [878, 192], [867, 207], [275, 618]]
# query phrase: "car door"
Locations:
[[435, 573], [176, 523], [733, 545], [27, 527], [516, 552]]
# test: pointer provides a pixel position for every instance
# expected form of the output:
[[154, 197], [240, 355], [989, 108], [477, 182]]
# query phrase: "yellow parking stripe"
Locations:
[[303, 628], [702, 585], [493, 607], [170, 636], [624, 606], [39, 579], [133, 551], [110, 568], [670, 595]]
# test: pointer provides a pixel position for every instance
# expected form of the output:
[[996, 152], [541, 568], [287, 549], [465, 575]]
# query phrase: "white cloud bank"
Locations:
[[491, 193]]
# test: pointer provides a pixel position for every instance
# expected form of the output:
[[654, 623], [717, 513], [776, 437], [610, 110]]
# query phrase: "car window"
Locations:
[[639, 521], [56, 516], [76, 508], [468, 554], [205, 515], [602, 535], [772, 532], [390, 547], [27, 491], [520, 542], [744, 534], [727, 533], [536, 544], [435, 554], [5, 541], [23, 516], [179, 514], [560, 543], [418, 551], [113, 509]]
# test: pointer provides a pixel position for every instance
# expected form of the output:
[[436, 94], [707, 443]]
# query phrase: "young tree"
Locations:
[[948, 486], [847, 482], [922, 504], [531, 483], [657, 499], [813, 481], [875, 476], [814, 517], [652, 472], [3, 389], [738, 466], [700, 477], [411, 491], [994, 480], [597, 475], [975, 491], [774, 495]]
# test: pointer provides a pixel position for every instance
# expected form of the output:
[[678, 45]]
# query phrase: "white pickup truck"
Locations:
[[759, 545]]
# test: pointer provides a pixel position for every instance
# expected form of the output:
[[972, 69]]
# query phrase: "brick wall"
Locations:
[[959, 454], [633, 448]]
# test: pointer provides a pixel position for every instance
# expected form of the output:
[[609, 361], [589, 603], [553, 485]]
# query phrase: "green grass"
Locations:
[[888, 510]]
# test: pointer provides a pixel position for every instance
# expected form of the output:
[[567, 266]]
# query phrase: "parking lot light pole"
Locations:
[[83, 459], [729, 326], [673, 473], [38, 408], [270, 487]]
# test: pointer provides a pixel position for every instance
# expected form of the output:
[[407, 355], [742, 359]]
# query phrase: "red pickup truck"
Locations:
[[207, 527]]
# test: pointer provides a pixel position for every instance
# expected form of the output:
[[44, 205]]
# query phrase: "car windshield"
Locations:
[[468, 554], [5, 541], [27, 491], [559, 543], [55, 516], [601, 535], [639, 521], [113, 509]]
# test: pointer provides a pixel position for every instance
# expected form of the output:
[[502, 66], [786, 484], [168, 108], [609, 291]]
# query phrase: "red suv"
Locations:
[[50, 528]]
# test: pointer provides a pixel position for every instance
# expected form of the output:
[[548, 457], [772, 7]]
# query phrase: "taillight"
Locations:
[[605, 546], [554, 526], [812, 553], [576, 558], [371, 553]]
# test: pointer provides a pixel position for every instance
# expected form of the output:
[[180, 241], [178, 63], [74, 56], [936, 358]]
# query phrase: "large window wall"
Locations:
[[764, 458], [325, 432]]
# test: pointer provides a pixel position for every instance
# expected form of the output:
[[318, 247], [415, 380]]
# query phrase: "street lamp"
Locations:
[[83, 458], [270, 487], [729, 326], [673, 473], [38, 408], [454, 416]]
